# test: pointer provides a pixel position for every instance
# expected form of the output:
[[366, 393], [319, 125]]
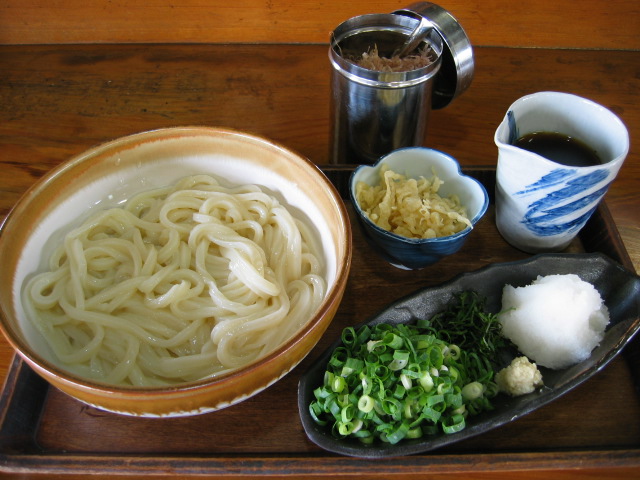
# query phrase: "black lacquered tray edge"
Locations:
[[24, 393]]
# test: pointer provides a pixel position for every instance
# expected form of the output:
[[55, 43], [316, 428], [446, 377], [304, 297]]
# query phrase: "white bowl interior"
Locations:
[[99, 180]]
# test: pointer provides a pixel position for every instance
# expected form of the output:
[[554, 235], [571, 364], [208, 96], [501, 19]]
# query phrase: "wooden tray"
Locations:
[[596, 425]]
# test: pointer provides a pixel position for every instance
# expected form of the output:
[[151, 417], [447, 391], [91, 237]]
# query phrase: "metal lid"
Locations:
[[456, 71]]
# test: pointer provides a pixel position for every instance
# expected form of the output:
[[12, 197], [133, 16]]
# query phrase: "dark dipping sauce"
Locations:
[[559, 148]]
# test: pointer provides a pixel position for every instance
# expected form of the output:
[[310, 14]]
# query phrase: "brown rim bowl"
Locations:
[[114, 171]]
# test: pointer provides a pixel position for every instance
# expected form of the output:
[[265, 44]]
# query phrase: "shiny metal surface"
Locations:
[[416, 38], [373, 112], [457, 68]]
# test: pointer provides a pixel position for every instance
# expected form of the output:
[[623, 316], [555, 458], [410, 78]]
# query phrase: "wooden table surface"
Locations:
[[56, 101]]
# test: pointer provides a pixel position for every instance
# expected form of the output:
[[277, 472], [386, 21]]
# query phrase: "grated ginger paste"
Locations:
[[519, 378]]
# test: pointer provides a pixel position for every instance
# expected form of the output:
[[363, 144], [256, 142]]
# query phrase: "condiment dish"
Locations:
[[618, 287], [414, 162]]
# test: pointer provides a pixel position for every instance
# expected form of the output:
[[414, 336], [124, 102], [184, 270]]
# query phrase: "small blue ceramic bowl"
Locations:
[[412, 253]]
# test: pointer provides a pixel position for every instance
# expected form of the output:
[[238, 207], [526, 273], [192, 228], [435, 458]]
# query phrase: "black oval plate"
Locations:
[[619, 288]]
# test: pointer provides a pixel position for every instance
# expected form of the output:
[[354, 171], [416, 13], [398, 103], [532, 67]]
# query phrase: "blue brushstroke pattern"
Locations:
[[542, 214], [562, 175], [540, 207], [513, 129], [556, 229]]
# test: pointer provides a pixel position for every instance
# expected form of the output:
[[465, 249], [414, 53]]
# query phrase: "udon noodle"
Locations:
[[180, 283]]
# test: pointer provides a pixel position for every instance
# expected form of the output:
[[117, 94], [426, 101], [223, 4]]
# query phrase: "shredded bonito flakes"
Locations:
[[372, 60], [411, 207]]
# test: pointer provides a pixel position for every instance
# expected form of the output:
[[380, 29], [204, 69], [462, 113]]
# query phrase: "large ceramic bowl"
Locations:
[[416, 162], [108, 174]]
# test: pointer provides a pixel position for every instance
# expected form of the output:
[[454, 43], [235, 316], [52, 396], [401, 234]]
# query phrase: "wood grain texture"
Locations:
[[537, 23], [58, 100]]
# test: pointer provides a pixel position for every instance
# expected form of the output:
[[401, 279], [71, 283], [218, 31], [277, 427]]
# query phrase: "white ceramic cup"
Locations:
[[541, 205]]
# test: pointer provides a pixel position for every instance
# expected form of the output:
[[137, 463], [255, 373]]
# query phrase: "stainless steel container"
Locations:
[[373, 112]]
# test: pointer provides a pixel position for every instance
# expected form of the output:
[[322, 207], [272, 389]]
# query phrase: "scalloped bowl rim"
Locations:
[[445, 160]]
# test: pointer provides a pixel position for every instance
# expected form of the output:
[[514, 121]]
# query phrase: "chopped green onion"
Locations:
[[400, 360], [391, 406], [349, 337], [406, 381], [338, 384], [367, 384], [382, 372], [316, 411], [431, 414], [472, 390], [453, 372], [453, 424], [390, 382], [454, 351], [365, 403], [461, 410], [351, 365], [345, 428], [436, 357], [347, 413], [398, 434], [357, 425], [426, 381], [391, 340]]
